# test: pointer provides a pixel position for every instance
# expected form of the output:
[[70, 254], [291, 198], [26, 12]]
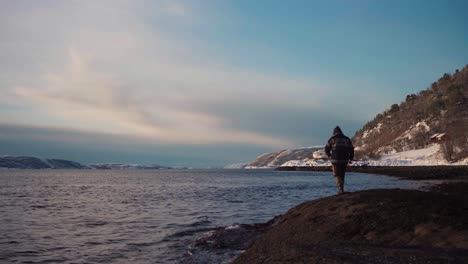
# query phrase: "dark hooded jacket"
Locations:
[[339, 147]]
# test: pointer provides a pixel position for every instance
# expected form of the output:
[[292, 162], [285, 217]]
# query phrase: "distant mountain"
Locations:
[[235, 166], [440, 109], [276, 159], [26, 162], [121, 166]]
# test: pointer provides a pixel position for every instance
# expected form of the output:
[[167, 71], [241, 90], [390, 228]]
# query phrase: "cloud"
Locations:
[[175, 8], [103, 102], [89, 147], [113, 67]]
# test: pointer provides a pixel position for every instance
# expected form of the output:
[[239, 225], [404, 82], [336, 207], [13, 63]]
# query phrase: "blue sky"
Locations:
[[206, 83]]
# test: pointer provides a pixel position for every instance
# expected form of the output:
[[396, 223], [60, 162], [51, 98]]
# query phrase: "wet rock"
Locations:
[[235, 237]]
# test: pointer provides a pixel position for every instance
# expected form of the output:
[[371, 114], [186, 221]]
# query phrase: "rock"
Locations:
[[374, 226]]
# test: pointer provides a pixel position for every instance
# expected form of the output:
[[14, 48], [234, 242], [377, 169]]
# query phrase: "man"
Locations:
[[340, 150]]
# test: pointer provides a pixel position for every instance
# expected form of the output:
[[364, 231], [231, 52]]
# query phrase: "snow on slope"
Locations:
[[306, 163], [429, 156], [295, 163], [409, 134], [376, 129], [419, 157], [275, 159], [235, 166], [28, 162]]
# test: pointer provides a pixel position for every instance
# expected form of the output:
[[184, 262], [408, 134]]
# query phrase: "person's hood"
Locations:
[[337, 131]]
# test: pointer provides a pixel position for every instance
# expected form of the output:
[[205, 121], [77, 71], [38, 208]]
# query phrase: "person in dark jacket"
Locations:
[[340, 150]]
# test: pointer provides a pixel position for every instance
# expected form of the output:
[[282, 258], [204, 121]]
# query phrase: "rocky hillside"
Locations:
[[26, 162], [441, 108], [275, 159]]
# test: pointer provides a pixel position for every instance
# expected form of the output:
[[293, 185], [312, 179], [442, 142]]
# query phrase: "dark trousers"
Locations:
[[339, 170]]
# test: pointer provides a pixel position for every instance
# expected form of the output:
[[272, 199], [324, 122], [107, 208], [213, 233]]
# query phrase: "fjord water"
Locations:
[[145, 216]]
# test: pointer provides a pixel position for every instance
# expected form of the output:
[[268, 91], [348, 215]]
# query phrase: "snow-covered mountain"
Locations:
[[27, 162], [122, 166], [275, 159], [235, 166]]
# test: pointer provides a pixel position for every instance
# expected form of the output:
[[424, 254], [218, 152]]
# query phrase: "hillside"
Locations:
[[275, 159], [27, 162], [441, 108], [121, 166]]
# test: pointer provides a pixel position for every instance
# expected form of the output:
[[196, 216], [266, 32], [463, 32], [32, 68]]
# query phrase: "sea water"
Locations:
[[146, 216]]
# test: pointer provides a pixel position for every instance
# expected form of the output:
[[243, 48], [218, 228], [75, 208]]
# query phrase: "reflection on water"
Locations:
[[89, 216]]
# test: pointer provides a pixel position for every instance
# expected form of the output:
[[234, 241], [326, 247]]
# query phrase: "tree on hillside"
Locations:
[[443, 107]]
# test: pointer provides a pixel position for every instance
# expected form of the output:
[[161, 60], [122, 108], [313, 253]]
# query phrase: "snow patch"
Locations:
[[236, 166], [46, 161], [295, 163], [319, 154], [373, 130], [424, 125], [307, 163], [430, 156], [411, 132]]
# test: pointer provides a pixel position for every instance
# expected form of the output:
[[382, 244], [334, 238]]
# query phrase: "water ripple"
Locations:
[[92, 216]]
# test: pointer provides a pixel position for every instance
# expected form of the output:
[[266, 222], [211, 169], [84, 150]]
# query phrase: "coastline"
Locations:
[[372, 226], [441, 172]]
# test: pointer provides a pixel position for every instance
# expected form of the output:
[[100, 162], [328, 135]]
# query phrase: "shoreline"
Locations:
[[440, 172], [372, 226]]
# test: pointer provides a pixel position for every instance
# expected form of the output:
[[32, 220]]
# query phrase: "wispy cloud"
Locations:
[[121, 75], [113, 67], [173, 7], [103, 102]]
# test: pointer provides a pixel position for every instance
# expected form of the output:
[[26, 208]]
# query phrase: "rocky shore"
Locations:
[[404, 172], [372, 226]]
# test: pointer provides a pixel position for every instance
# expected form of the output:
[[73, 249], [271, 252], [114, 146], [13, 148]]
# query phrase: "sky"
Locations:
[[209, 83]]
